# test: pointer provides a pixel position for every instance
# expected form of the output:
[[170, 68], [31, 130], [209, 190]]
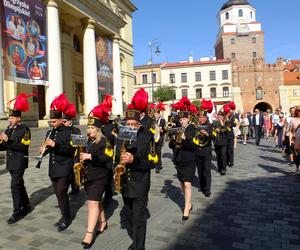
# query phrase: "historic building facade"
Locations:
[[72, 29], [241, 39]]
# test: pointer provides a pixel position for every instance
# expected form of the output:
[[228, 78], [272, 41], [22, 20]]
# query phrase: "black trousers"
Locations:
[[136, 210], [109, 186], [18, 190], [221, 153], [230, 150], [204, 172], [61, 186], [158, 147], [258, 130]]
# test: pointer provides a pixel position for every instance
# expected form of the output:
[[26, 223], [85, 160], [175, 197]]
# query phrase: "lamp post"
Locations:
[[154, 46]]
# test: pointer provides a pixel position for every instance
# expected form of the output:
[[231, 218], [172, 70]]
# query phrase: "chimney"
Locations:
[[191, 58]]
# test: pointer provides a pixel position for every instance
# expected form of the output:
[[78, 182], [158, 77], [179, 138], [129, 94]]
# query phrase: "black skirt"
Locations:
[[186, 171], [95, 189]]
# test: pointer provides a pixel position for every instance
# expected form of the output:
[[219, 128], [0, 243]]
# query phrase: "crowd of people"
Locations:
[[118, 155]]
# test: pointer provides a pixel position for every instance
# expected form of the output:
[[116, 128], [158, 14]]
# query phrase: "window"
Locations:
[[144, 79], [251, 14], [198, 76], [198, 93], [259, 94], [232, 41], [154, 77], [184, 92], [135, 80], [212, 75], [174, 94], [225, 74], [227, 15], [253, 39], [232, 55], [240, 13], [213, 92], [253, 54], [172, 78], [295, 92], [225, 91], [76, 43], [183, 77]]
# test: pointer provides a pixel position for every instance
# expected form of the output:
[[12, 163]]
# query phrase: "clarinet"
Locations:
[[38, 165]]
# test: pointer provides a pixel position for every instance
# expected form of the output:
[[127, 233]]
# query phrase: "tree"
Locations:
[[164, 93], [197, 103]]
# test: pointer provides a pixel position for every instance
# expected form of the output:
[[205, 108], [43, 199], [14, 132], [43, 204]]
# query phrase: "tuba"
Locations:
[[120, 169]]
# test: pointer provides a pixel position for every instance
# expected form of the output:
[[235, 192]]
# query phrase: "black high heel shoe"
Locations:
[[99, 231], [88, 245], [184, 218]]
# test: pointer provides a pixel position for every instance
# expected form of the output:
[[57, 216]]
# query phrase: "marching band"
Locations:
[[118, 155]]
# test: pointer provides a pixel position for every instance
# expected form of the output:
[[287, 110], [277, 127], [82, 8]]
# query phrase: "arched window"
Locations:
[[227, 15], [76, 43], [253, 40], [240, 13]]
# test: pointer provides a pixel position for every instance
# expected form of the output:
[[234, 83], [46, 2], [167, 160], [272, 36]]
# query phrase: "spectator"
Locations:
[[280, 125], [258, 123], [275, 120], [244, 127], [267, 124]]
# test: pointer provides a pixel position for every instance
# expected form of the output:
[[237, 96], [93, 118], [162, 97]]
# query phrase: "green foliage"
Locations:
[[197, 103], [163, 93]]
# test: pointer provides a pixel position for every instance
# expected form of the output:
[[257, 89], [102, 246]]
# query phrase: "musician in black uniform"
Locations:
[[203, 152], [15, 140], [98, 162], [67, 116], [61, 153], [184, 158], [136, 183], [161, 122], [221, 142], [230, 124]]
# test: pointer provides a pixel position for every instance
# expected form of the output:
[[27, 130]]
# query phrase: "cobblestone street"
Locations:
[[256, 205]]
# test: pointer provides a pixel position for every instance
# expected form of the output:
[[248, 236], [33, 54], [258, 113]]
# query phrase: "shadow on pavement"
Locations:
[[40, 195], [76, 202], [3, 171], [273, 159], [173, 192], [259, 213], [168, 155]]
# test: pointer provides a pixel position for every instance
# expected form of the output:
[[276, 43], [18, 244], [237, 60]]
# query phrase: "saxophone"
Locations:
[[120, 169], [79, 170]]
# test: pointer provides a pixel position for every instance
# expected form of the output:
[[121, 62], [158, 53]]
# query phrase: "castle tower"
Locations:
[[240, 36]]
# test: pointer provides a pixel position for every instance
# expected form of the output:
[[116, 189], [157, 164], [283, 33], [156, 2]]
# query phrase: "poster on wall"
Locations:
[[24, 41], [104, 66]]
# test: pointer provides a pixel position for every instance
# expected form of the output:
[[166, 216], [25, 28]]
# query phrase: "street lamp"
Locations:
[[154, 46]]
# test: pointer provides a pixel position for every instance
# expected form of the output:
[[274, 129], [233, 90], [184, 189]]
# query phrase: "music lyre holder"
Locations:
[[127, 133], [79, 140]]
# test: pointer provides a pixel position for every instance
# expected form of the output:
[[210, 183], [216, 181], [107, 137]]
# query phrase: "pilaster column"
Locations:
[[91, 97], [117, 81], [2, 114], [54, 54]]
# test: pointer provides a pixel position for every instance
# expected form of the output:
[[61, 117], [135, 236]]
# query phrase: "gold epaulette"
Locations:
[[153, 158], [196, 141], [152, 130], [25, 141]]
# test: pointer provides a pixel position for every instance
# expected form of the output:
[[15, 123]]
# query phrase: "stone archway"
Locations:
[[263, 106]]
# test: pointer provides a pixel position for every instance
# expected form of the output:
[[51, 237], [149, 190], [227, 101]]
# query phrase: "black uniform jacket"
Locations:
[[61, 156], [137, 176], [76, 131], [17, 147], [146, 122], [206, 150], [221, 136], [186, 152], [98, 167], [231, 124]]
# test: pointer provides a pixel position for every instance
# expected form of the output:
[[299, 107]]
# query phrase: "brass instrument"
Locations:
[[44, 148], [194, 120], [170, 123], [153, 157], [155, 130], [79, 168], [175, 135], [120, 169], [200, 139]]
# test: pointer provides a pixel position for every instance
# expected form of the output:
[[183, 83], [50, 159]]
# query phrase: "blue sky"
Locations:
[[189, 26]]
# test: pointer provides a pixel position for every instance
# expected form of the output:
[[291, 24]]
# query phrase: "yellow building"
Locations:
[[72, 29]]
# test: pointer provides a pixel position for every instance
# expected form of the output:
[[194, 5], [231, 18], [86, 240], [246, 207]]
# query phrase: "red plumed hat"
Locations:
[[99, 116], [130, 106], [161, 106], [226, 108], [178, 106], [140, 100], [206, 105], [21, 105], [152, 106], [186, 102], [107, 101], [193, 108], [58, 106], [232, 105], [70, 112]]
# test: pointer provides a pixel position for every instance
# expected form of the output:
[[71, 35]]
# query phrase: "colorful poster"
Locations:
[[24, 41], [104, 66]]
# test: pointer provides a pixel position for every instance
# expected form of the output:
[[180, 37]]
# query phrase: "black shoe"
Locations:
[[157, 171], [230, 164], [222, 173], [63, 226], [207, 194], [187, 217], [100, 232], [130, 247], [14, 218], [74, 191], [88, 245], [57, 224], [26, 209]]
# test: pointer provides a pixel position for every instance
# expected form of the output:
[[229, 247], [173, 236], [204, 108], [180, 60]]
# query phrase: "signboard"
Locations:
[[24, 41], [104, 66]]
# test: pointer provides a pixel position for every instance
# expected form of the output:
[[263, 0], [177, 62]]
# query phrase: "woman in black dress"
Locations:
[[184, 158], [97, 161]]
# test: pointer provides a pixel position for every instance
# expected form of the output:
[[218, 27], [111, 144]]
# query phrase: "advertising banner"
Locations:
[[24, 41], [104, 66]]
